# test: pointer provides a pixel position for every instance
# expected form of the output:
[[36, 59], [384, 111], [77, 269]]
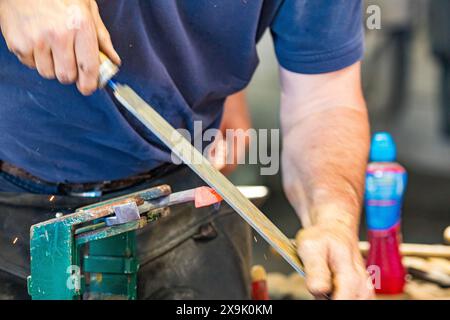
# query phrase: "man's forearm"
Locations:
[[324, 161]]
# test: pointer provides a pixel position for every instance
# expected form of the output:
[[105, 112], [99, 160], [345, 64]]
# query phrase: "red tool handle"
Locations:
[[259, 283]]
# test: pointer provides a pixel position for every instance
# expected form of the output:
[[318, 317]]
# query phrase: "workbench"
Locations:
[[293, 286]]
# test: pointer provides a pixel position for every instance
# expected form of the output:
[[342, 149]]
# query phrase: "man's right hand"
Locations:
[[60, 38]]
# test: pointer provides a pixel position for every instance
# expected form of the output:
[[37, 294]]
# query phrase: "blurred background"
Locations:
[[406, 76]]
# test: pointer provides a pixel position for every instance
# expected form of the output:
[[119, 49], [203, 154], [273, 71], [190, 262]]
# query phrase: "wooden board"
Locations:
[[183, 149]]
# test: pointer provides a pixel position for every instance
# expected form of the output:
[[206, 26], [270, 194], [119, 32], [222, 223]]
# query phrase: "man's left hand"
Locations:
[[332, 261]]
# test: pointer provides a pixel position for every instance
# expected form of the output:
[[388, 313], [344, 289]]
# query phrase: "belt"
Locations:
[[94, 189]]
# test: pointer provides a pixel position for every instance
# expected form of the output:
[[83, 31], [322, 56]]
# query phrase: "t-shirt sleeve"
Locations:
[[318, 36]]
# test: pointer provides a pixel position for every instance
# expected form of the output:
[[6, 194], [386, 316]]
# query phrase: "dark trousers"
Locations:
[[190, 254]]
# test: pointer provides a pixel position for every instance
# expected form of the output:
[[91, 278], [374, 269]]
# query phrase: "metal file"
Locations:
[[184, 150]]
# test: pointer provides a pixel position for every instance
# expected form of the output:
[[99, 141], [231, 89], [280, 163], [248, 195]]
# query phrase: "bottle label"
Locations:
[[385, 186]]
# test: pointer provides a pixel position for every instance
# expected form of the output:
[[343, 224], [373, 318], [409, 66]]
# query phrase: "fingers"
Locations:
[[26, 57], [103, 36], [217, 153], [43, 58], [350, 276], [366, 290], [88, 64], [352, 287], [333, 264], [314, 256], [345, 277], [64, 56]]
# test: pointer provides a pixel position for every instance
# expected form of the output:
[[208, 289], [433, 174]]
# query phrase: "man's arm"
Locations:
[[325, 149], [61, 39]]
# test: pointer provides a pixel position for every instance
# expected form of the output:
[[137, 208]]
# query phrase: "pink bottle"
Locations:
[[385, 185]]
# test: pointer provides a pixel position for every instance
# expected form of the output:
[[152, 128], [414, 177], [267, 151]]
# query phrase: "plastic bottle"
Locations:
[[385, 186]]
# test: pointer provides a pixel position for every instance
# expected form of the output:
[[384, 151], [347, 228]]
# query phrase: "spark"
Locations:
[[254, 237], [51, 198], [15, 240]]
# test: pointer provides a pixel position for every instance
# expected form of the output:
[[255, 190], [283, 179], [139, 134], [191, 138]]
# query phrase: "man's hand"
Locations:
[[228, 151], [60, 38], [333, 264]]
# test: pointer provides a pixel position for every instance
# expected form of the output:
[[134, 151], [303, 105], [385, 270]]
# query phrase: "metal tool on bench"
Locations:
[[99, 240]]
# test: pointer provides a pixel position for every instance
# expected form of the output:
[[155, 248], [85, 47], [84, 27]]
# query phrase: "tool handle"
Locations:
[[259, 283], [107, 70]]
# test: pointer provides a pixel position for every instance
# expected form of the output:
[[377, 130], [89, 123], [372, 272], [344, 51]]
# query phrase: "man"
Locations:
[[186, 57]]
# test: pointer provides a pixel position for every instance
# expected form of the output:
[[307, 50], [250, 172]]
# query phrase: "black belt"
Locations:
[[94, 189]]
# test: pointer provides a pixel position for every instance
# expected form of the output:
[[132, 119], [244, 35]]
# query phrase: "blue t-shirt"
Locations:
[[184, 57]]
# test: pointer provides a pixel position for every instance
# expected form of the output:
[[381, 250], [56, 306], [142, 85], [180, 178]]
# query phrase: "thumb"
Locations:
[[104, 38]]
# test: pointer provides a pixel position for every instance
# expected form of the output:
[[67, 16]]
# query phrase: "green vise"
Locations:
[[89, 254]]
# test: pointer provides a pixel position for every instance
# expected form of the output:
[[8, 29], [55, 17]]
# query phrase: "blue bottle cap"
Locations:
[[383, 148]]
